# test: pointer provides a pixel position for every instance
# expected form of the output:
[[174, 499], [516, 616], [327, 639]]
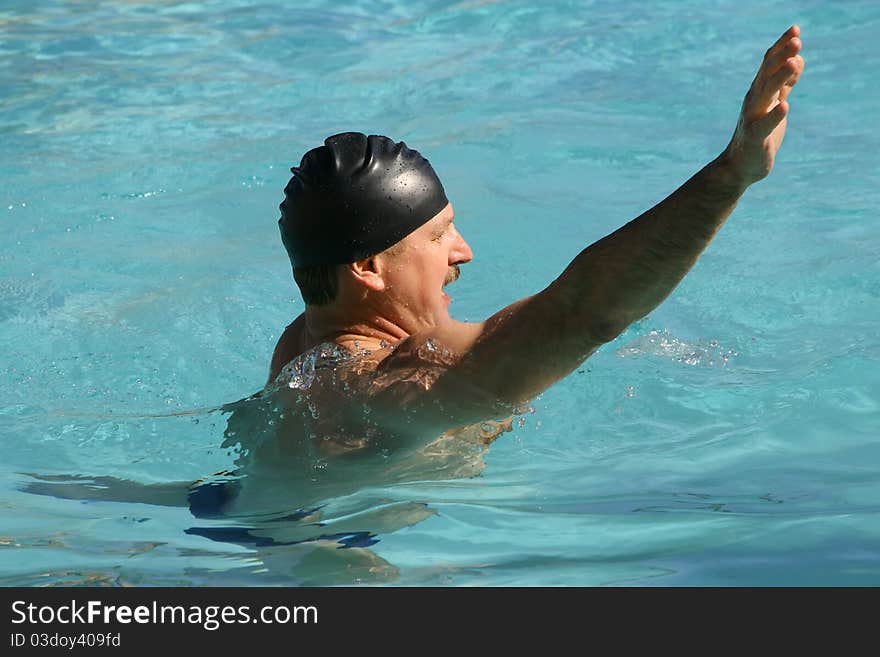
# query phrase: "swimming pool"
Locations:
[[731, 437]]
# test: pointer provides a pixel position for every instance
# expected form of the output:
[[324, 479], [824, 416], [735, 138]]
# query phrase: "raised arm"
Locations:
[[526, 347], [625, 275]]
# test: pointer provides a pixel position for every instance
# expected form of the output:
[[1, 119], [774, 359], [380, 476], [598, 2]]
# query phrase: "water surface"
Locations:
[[728, 438]]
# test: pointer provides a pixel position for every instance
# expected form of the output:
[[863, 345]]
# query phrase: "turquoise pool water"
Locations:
[[730, 438]]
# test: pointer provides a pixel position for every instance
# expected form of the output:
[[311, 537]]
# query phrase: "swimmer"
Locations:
[[373, 244], [374, 383]]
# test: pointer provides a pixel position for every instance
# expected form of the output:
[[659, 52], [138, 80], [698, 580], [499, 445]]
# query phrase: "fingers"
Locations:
[[777, 74], [792, 80], [785, 77], [791, 33], [788, 49], [778, 56], [767, 124], [788, 45]]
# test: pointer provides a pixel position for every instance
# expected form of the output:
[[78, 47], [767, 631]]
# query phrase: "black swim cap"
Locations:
[[354, 197]]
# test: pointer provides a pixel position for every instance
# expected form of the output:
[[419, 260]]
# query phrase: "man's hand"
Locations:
[[761, 124]]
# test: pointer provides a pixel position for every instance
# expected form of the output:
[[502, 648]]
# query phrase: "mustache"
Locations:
[[452, 276]]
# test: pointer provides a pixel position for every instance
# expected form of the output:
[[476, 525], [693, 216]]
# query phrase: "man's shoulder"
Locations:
[[443, 344], [287, 348]]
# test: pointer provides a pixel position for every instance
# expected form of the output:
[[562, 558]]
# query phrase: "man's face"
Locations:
[[418, 267]]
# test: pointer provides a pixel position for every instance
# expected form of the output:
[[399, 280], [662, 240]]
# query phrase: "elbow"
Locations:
[[606, 330]]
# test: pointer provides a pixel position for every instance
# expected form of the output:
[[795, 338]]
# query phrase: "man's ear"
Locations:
[[368, 272]]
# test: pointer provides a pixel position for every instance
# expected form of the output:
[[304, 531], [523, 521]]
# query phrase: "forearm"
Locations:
[[625, 275]]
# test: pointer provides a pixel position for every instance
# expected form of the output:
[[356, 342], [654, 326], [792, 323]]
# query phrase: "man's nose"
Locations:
[[461, 252]]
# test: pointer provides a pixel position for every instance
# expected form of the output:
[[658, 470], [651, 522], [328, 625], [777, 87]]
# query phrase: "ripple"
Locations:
[[23, 297]]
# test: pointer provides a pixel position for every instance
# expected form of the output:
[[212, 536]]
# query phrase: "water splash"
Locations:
[[299, 374], [663, 343]]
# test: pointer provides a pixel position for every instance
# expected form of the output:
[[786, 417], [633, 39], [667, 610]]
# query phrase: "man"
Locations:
[[372, 241], [375, 383]]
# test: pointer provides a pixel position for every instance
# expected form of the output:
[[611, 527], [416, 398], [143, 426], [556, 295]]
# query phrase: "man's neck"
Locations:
[[373, 332]]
